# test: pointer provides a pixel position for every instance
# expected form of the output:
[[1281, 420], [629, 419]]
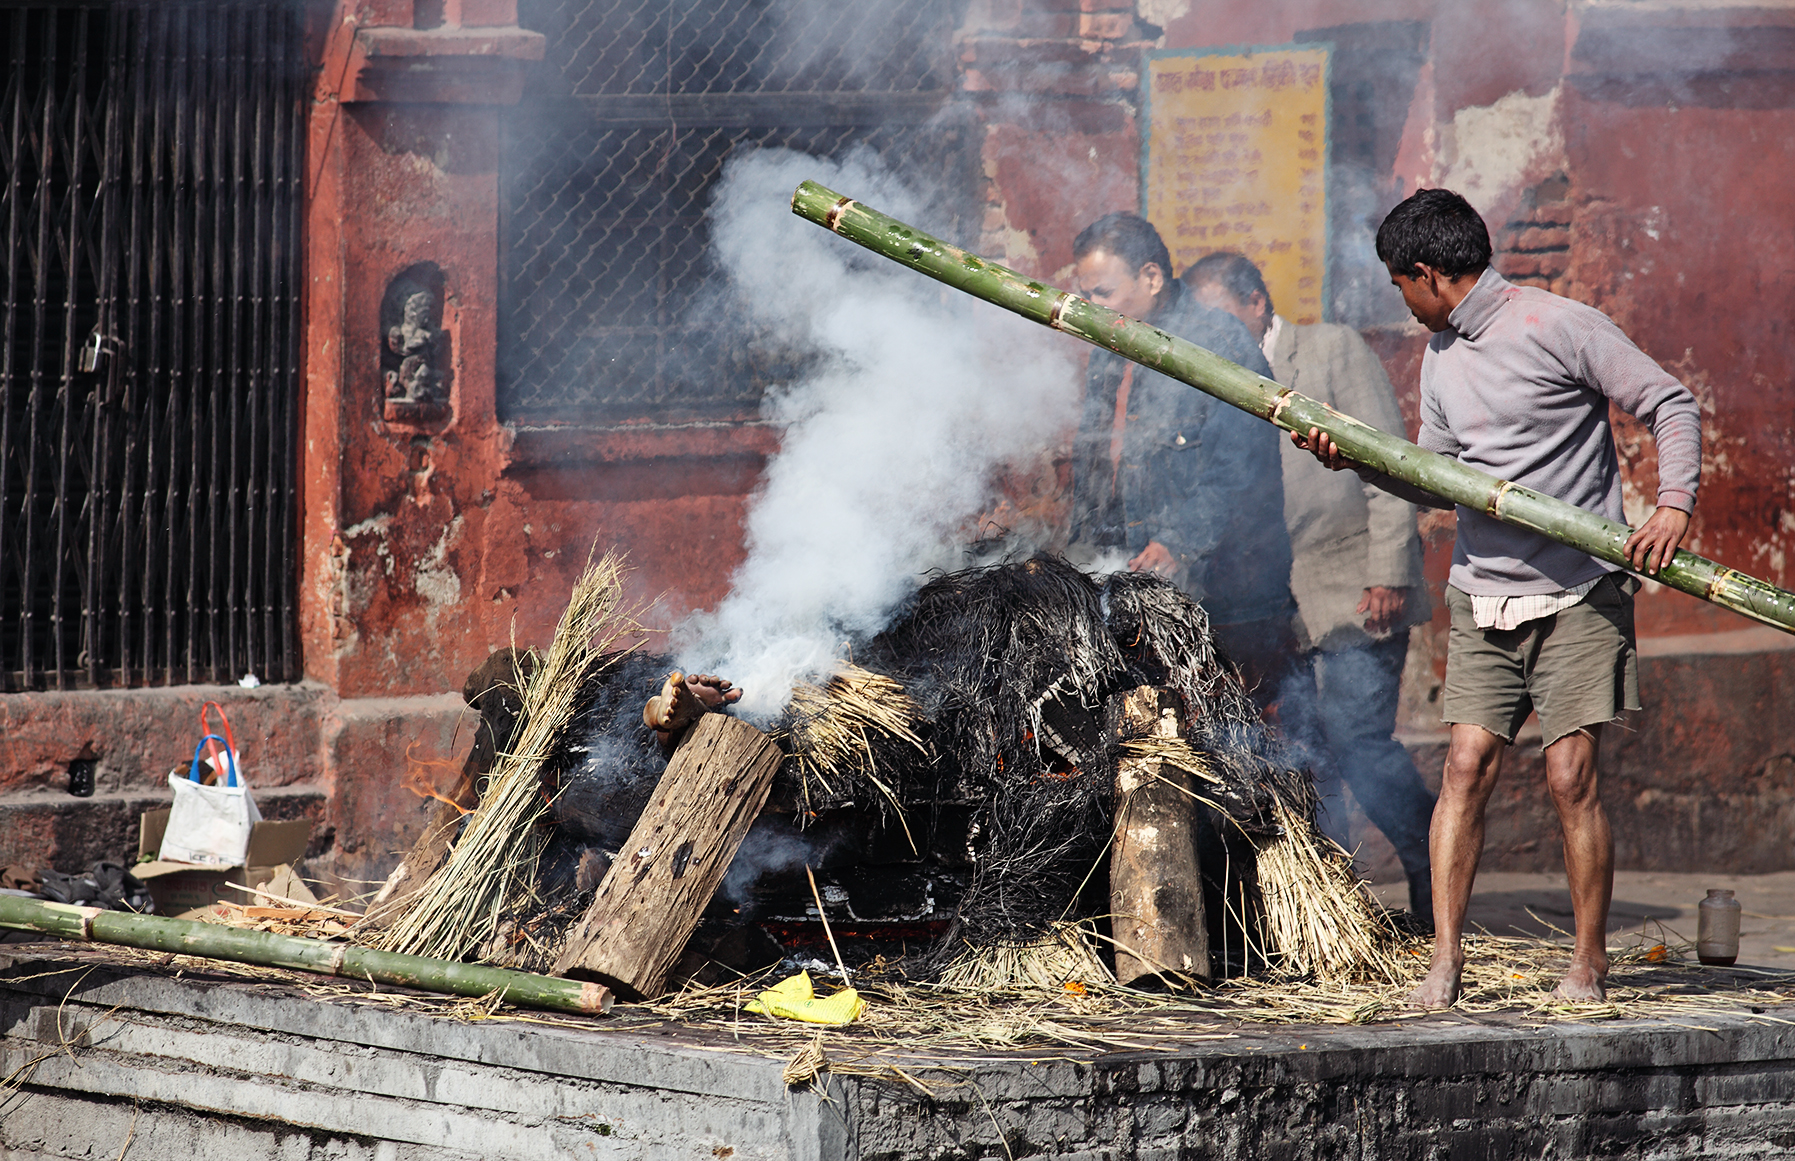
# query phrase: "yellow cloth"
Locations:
[[796, 999]]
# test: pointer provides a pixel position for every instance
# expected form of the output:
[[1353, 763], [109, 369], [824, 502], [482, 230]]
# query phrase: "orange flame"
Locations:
[[422, 774]]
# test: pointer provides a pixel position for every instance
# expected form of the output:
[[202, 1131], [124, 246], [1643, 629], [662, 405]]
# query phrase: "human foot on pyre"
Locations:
[[683, 700]]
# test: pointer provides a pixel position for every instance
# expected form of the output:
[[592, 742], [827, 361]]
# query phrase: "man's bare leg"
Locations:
[[683, 700], [1588, 858], [1454, 844]]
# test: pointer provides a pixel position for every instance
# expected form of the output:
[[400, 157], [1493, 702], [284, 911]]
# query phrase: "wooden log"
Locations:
[[662, 880], [1155, 888]]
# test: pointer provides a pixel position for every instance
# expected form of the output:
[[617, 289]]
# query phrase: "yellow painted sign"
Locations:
[[1237, 160]]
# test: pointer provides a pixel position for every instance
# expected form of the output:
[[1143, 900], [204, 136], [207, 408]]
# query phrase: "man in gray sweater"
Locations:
[[1516, 382], [1355, 572]]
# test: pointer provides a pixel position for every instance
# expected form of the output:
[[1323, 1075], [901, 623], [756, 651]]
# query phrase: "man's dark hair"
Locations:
[[1436, 227], [1129, 237], [1234, 273]]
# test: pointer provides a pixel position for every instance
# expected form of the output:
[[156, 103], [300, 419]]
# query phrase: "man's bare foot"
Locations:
[[683, 700], [1582, 984], [1440, 988]]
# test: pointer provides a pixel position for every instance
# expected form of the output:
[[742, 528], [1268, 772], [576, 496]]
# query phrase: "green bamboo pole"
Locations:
[[1188, 363], [216, 941]]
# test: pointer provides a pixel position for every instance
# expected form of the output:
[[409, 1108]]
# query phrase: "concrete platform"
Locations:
[[118, 1058]]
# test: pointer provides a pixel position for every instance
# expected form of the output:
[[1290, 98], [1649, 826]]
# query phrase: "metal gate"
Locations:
[[609, 163], [149, 361]]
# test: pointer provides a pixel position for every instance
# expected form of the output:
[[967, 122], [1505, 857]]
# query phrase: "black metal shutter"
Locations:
[[149, 365]]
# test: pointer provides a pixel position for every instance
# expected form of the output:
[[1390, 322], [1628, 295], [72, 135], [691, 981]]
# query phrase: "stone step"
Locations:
[[46, 829]]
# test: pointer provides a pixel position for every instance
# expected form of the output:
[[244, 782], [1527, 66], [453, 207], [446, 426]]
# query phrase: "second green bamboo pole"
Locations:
[[216, 941]]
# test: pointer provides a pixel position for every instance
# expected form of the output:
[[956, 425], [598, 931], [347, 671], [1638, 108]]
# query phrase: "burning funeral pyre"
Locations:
[[1029, 765]]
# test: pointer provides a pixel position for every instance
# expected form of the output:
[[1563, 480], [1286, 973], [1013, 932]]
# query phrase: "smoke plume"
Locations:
[[912, 396]]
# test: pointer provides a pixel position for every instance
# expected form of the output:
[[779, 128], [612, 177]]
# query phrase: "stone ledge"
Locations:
[[137, 735], [462, 66], [57, 831], [345, 760], [234, 1058]]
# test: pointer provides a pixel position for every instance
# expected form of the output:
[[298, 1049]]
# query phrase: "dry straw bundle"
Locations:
[[831, 729], [1319, 916], [1063, 957], [492, 868]]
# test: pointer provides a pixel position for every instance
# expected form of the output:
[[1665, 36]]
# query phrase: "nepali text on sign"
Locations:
[[1237, 159]]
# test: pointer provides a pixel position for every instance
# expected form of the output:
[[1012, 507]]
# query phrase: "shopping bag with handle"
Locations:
[[210, 824]]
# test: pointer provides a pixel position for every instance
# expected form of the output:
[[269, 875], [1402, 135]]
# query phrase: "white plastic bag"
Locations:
[[209, 824]]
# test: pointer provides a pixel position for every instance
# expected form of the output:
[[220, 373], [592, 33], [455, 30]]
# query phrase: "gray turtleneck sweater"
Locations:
[[1518, 386]]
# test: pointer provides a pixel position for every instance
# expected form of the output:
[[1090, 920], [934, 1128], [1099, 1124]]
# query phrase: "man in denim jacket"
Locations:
[[1187, 486]]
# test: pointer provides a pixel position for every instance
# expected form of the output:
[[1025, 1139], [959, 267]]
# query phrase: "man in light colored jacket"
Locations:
[[1356, 570]]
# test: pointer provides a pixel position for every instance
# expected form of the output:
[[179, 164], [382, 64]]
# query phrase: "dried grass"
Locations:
[[830, 729], [1320, 918], [492, 868], [1063, 956]]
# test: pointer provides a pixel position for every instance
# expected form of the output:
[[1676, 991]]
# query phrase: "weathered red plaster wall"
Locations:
[[1685, 234], [1055, 84], [427, 546]]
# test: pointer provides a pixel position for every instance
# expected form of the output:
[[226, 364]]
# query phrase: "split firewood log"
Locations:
[[653, 895], [1155, 887]]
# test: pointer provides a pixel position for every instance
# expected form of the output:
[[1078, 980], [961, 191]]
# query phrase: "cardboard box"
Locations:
[[178, 888]]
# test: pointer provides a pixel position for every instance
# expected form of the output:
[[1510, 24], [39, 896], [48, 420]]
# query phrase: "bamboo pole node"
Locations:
[[1278, 407], [1495, 505], [83, 915], [1719, 579], [835, 212], [335, 966], [1059, 307]]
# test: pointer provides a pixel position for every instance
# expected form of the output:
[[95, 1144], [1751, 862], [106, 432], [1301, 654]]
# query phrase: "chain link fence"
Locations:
[[609, 163]]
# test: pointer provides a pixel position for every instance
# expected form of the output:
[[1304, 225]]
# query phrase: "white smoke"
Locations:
[[914, 395]]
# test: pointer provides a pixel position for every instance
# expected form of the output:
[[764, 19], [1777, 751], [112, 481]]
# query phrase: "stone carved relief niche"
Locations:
[[414, 348]]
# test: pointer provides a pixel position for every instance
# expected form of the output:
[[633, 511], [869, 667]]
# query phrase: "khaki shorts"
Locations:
[[1577, 668]]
